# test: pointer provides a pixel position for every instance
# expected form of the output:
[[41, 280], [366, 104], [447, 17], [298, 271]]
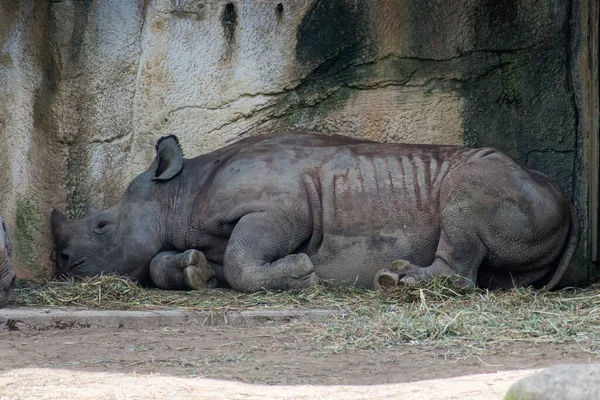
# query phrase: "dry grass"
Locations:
[[434, 313]]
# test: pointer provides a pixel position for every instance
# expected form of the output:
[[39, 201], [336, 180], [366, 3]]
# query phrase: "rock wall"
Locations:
[[90, 85]]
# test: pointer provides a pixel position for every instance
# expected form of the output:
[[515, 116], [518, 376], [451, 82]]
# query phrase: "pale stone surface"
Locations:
[[565, 382], [91, 85]]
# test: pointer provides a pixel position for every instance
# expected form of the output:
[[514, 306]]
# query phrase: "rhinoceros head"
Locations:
[[7, 276], [124, 238]]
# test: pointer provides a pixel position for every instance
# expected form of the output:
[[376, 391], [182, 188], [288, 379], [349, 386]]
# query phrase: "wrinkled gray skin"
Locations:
[[7, 276], [285, 211]]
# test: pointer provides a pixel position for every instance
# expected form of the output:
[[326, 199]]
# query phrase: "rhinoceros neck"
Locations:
[[184, 222]]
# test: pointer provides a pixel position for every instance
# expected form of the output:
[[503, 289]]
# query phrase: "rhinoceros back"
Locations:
[[371, 187]]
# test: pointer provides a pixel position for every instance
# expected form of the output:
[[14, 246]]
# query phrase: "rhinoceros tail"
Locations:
[[568, 252]]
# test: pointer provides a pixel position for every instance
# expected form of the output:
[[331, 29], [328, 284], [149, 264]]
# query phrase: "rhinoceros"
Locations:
[[288, 210], [7, 276]]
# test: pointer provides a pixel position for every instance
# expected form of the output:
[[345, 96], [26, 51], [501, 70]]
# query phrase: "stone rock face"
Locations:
[[565, 382], [91, 85]]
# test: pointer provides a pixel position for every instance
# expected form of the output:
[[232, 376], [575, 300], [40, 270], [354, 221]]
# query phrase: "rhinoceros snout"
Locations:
[[63, 262]]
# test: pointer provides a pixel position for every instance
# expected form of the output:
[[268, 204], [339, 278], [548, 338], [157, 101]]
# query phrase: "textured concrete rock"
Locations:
[[92, 85], [30, 163], [564, 382], [41, 319]]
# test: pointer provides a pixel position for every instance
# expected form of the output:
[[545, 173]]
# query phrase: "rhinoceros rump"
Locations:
[[7, 276], [284, 211]]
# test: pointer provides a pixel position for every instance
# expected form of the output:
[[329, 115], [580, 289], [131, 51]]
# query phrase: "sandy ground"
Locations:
[[36, 383], [272, 360]]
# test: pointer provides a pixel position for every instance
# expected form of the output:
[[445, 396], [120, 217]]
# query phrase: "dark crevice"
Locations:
[[571, 88], [229, 20]]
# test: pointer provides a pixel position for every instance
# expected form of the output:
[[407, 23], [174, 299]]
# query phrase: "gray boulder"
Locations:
[[561, 382]]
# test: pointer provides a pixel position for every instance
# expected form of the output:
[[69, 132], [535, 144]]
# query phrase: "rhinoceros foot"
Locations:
[[387, 278], [197, 273], [302, 275], [403, 272]]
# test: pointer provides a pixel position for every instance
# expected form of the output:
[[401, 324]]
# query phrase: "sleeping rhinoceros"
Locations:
[[287, 210], [7, 276]]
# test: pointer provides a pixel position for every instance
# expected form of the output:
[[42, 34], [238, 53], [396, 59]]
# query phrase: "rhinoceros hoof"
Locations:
[[400, 272], [301, 271], [305, 282], [409, 274], [191, 257], [401, 267], [197, 274], [385, 279]]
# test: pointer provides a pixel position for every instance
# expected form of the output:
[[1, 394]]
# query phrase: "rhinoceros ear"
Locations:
[[169, 159]]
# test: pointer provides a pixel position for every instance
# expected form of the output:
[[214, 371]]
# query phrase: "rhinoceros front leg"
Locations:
[[187, 270], [258, 255]]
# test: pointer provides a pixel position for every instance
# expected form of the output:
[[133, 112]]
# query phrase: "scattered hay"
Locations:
[[107, 292], [116, 293], [435, 313]]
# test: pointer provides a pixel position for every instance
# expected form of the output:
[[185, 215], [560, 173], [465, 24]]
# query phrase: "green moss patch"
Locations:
[[26, 226]]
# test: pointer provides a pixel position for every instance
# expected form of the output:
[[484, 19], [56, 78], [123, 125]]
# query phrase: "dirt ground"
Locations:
[[270, 354]]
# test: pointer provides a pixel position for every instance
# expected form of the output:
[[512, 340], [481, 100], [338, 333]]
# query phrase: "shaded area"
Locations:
[[330, 29], [526, 110]]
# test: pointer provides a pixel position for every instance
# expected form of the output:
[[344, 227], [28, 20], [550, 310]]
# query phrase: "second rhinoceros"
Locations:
[[286, 210], [7, 276]]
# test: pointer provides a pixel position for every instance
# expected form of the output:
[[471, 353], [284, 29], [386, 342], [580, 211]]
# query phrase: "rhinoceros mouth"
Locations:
[[77, 262]]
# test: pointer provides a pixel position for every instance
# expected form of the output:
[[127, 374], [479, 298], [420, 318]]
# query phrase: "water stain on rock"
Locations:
[[329, 28], [229, 21], [279, 12]]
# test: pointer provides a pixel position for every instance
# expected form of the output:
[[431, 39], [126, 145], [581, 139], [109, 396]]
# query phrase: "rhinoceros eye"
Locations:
[[100, 227]]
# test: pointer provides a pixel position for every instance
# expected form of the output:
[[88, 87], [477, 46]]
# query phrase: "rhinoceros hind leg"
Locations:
[[459, 254]]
